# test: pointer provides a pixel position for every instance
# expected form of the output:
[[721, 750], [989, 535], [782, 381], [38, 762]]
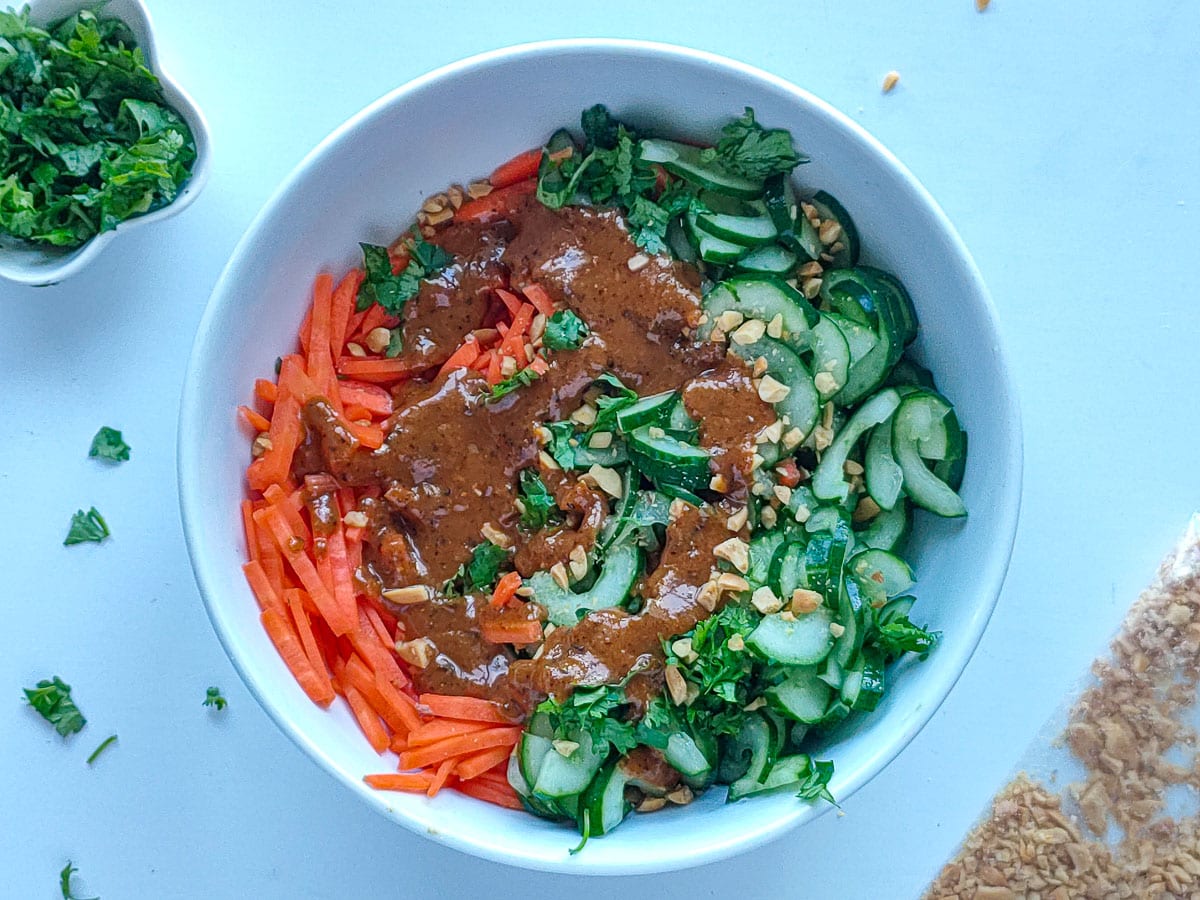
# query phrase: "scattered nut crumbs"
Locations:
[[890, 80], [1123, 729]]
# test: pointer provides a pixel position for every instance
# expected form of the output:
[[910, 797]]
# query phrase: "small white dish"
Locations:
[[37, 266], [366, 182]]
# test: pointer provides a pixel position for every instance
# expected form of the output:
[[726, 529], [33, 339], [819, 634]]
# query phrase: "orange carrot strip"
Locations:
[[398, 744], [539, 365], [318, 337], [341, 310], [462, 358], [377, 623], [375, 317], [370, 397], [477, 763], [257, 421], [472, 709], [494, 374], [484, 362], [369, 436], [360, 678], [514, 342], [440, 729], [398, 703], [248, 529], [264, 591], [520, 167], [289, 647], [444, 771], [266, 391], [497, 777], [506, 589], [368, 720], [525, 632], [414, 782], [290, 505], [537, 295], [273, 519], [459, 745], [497, 204], [305, 329], [285, 433], [359, 367], [511, 300], [494, 794], [307, 640]]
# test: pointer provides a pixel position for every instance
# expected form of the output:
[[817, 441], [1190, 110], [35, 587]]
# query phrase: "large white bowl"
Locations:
[[365, 182], [38, 266]]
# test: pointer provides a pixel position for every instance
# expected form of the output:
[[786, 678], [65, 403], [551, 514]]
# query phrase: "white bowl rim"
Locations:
[[1011, 455], [72, 262]]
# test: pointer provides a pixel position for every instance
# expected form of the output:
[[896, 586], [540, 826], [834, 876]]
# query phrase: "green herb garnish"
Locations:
[[64, 883], [391, 291], [815, 785], [609, 405], [523, 378], [725, 679], [108, 444], [752, 151], [565, 331], [900, 636], [86, 138], [104, 745], [87, 527], [480, 572], [214, 699], [52, 700], [538, 508]]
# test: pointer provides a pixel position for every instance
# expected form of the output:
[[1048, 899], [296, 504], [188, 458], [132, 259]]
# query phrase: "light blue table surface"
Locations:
[[1062, 140]]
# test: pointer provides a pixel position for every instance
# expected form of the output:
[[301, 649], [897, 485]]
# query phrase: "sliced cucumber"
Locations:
[[770, 293], [763, 547], [684, 160], [916, 419], [910, 372], [803, 641], [653, 410], [763, 299], [761, 739], [787, 772], [801, 696], [622, 565], [873, 682], [770, 259], [859, 338], [748, 231], [561, 776], [687, 757], [831, 355], [802, 405], [884, 569], [828, 208], [888, 530], [795, 231], [829, 479], [666, 460], [680, 424], [851, 607], [884, 478], [788, 574], [903, 310], [531, 753], [605, 800], [895, 609], [824, 558]]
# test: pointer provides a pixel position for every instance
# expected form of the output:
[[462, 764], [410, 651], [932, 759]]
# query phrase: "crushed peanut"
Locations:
[[765, 601], [638, 261], [708, 594], [749, 332], [772, 391], [825, 382], [769, 517], [356, 518], [890, 80], [735, 551], [775, 326], [559, 573], [734, 584], [805, 601], [676, 685], [477, 189], [355, 349], [414, 593], [730, 319], [737, 521], [718, 483], [608, 480], [601, 440], [491, 533], [564, 748], [419, 652], [783, 493], [585, 415]]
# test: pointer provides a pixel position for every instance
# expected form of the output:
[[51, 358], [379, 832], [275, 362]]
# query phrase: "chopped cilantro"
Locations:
[[724, 678], [609, 405], [559, 445], [815, 785], [87, 527], [480, 572], [104, 745], [523, 378], [86, 137], [214, 699], [108, 444], [395, 343], [391, 291], [900, 636], [565, 331], [52, 700], [748, 149], [600, 129], [64, 883], [538, 508]]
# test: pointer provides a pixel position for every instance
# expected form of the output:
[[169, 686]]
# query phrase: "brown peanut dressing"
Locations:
[[450, 462]]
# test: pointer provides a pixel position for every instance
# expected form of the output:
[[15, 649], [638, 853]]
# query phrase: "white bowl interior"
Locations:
[[366, 182], [35, 265]]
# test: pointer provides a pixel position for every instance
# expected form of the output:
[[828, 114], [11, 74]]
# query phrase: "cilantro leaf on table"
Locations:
[[900, 636], [109, 444], [52, 700], [565, 331], [748, 149], [538, 508], [64, 883], [214, 699], [104, 745], [87, 527], [392, 291]]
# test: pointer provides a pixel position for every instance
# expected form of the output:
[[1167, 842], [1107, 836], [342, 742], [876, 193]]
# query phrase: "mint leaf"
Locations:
[[565, 331], [109, 444], [484, 568], [86, 527], [52, 700]]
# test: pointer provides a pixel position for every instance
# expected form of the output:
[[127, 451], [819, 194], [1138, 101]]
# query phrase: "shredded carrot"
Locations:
[[369, 436], [275, 464], [413, 782], [497, 204], [375, 318], [444, 771], [307, 640], [478, 763], [484, 362], [378, 370], [472, 709], [262, 588], [370, 397], [536, 294], [439, 729], [356, 673], [494, 373], [248, 529], [539, 365], [342, 310], [377, 624], [506, 589], [265, 390], [490, 793], [318, 351], [520, 167], [367, 718], [459, 745], [273, 519], [398, 702], [257, 421], [289, 647], [511, 300], [524, 632], [305, 328], [461, 358]]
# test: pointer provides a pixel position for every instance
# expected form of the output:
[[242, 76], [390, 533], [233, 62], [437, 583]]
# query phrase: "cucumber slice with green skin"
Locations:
[[746, 756], [802, 405], [831, 354], [787, 772], [788, 574], [828, 208], [770, 259], [515, 777], [531, 753], [653, 410], [884, 479], [952, 468], [613, 455], [894, 609], [903, 309], [686, 755], [946, 440], [604, 799], [561, 140], [852, 606], [680, 244], [763, 547], [757, 298], [859, 338], [748, 231], [801, 696], [680, 424], [829, 479], [684, 160], [916, 418], [885, 569], [712, 249], [888, 530], [666, 460], [795, 231], [824, 558], [561, 776], [873, 682], [563, 606], [825, 518], [910, 373], [803, 641]]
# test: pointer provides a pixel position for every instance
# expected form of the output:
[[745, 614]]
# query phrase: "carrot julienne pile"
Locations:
[[336, 640]]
